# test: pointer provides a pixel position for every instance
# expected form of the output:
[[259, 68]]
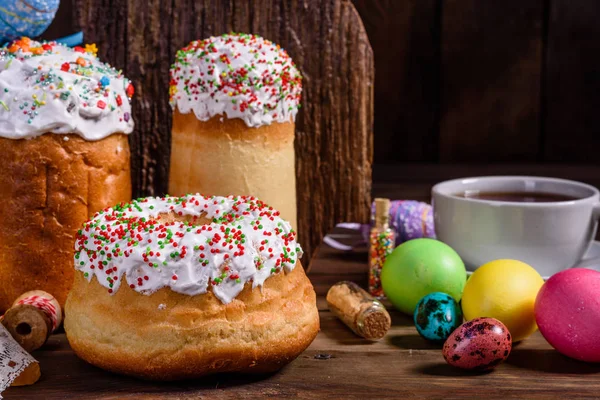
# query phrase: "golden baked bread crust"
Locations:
[[168, 336], [49, 187], [225, 157], [275, 135]]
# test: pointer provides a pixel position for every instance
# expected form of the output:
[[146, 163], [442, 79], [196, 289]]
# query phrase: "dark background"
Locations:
[[477, 87], [472, 87]]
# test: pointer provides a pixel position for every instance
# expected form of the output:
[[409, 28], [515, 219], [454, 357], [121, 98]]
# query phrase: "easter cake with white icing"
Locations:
[[235, 99], [65, 117], [180, 287]]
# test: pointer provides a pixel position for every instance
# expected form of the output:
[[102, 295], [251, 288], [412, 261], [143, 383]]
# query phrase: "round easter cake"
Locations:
[[180, 287]]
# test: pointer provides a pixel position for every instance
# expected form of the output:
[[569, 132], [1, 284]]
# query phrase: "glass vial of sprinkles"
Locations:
[[381, 244]]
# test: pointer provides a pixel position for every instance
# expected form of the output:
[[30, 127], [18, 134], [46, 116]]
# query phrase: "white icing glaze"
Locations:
[[237, 75], [247, 241], [48, 87]]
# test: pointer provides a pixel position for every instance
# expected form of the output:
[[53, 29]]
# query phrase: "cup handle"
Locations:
[[591, 263], [596, 211]]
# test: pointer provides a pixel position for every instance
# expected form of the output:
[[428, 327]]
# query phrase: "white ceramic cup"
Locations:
[[550, 236]]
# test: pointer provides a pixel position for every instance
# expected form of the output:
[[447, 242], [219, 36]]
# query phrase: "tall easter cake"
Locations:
[[64, 120], [235, 98]]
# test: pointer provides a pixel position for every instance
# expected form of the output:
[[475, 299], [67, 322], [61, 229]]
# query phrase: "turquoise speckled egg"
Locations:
[[437, 315], [25, 17]]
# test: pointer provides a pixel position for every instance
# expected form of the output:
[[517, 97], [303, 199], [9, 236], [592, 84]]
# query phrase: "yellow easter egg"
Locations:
[[505, 290]]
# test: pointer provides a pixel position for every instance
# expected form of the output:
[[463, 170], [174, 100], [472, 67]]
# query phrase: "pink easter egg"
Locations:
[[567, 311]]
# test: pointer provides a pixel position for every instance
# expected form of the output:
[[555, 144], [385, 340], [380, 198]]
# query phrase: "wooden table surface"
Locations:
[[338, 364]]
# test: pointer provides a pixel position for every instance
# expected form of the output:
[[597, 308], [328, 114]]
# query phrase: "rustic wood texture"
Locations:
[[406, 43], [572, 82], [517, 80], [401, 365], [491, 74], [326, 39]]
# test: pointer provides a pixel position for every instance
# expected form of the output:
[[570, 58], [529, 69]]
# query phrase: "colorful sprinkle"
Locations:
[[257, 82], [62, 78], [133, 240], [105, 81], [130, 90], [91, 48], [382, 243]]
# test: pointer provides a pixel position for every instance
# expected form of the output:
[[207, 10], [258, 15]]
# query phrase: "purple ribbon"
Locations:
[[410, 219]]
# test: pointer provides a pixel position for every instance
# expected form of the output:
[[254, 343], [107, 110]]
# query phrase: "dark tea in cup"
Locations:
[[516, 197]]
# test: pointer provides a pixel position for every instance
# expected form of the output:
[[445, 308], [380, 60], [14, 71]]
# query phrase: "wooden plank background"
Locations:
[[405, 39], [573, 82], [468, 81], [491, 59]]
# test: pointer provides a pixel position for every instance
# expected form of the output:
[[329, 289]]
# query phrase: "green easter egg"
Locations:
[[419, 267]]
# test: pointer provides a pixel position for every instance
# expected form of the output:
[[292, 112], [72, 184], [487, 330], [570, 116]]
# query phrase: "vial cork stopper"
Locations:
[[361, 312], [382, 212]]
